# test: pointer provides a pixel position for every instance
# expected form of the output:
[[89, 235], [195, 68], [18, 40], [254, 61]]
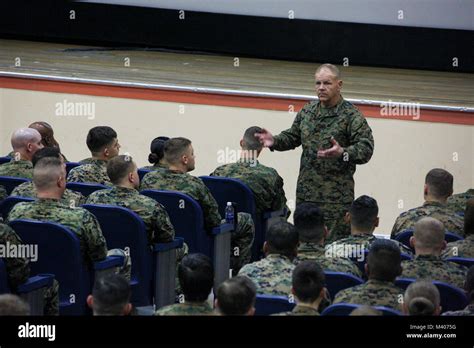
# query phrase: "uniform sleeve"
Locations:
[[162, 226], [280, 198], [290, 138], [94, 241], [209, 206], [361, 145], [3, 193], [18, 268], [73, 175]]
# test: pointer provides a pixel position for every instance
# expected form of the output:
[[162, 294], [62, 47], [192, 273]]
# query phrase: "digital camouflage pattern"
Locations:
[[334, 220], [265, 183], [157, 166], [87, 160], [18, 169], [468, 311], [3, 193], [461, 248], [451, 221], [70, 197], [317, 253], [271, 275], [300, 310], [79, 220], [372, 293], [93, 172], [363, 240], [157, 222], [172, 180], [458, 201], [432, 267], [18, 271], [186, 308]]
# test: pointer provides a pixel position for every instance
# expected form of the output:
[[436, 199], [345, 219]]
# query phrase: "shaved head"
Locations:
[[428, 233], [47, 172], [24, 136]]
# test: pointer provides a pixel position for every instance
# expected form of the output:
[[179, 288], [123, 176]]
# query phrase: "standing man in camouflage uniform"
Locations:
[[103, 145], [122, 171], [428, 242], [25, 142], [27, 189], [335, 138], [265, 183], [312, 232], [464, 247], [272, 275], [49, 180], [179, 154], [382, 267], [438, 187]]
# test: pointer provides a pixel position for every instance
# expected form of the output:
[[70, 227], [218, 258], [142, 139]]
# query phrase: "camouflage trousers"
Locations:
[[51, 299], [334, 219], [241, 242]]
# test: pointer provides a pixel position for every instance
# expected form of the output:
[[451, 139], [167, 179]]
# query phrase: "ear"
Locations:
[[376, 223], [216, 303], [405, 308], [184, 159], [326, 232], [241, 142], [425, 189], [347, 218], [90, 301], [251, 311], [127, 309], [412, 242], [339, 83], [366, 269], [444, 245], [292, 291], [322, 293], [265, 247]]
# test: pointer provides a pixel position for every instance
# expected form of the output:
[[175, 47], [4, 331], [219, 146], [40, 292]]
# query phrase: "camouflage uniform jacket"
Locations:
[[468, 311], [461, 248], [186, 308], [458, 201], [451, 221], [317, 253], [300, 310], [79, 220], [18, 268], [70, 197], [372, 293], [157, 166], [434, 268], [87, 160], [327, 180], [18, 169], [93, 172], [271, 275], [265, 183], [157, 222], [338, 247], [176, 181]]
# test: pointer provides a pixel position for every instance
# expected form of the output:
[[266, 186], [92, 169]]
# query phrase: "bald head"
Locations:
[[48, 175], [428, 234], [26, 141]]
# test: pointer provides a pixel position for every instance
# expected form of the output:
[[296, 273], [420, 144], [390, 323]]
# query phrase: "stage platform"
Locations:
[[279, 82]]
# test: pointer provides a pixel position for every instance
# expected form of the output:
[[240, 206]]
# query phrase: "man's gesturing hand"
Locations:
[[265, 138], [335, 151]]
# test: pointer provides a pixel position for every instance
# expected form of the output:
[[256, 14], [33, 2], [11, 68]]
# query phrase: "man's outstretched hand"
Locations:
[[265, 138], [333, 152]]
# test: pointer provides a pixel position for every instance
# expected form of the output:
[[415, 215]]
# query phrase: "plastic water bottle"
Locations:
[[229, 213]]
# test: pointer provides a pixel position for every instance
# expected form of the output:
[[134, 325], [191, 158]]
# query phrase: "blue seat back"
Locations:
[[71, 165], [10, 182], [142, 173], [451, 297], [269, 304], [404, 237], [345, 309], [7, 204], [85, 188], [187, 218], [59, 253], [337, 281], [462, 261], [5, 159], [4, 286], [124, 229]]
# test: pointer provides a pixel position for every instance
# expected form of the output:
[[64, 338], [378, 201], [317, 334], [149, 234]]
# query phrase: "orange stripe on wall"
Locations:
[[266, 103]]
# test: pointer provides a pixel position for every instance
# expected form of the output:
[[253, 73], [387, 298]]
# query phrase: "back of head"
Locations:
[[365, 311], [111, 293], [309, 222], [469, 218], [421, 298], [250, 142], [119, 167], [175, 148], [47, 172], [384, 260], [440, 183], [308, 280], [46, 152], [469, 284], [236, 296], [196, 277], [13, 305], [157, 147], [24, 136], [282, 238], [100, 137], [364, 211], [428, 233], [47, 133]]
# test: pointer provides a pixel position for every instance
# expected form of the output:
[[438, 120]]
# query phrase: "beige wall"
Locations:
[[404, 150]]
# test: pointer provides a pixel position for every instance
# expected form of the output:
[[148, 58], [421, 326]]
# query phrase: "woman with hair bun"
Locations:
[[421, 298], [156, 154]]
